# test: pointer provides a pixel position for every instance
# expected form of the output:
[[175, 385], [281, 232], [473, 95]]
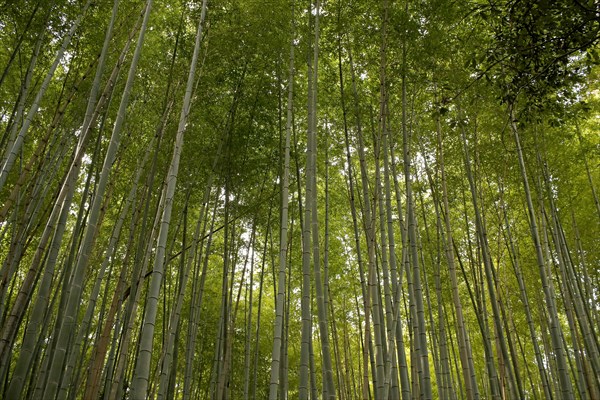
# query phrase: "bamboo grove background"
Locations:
[[234, 199]]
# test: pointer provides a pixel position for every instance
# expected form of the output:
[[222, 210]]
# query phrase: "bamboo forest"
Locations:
[[303, 199]]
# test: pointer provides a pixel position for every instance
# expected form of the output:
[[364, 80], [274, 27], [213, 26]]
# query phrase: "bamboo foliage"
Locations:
[[363, 224]]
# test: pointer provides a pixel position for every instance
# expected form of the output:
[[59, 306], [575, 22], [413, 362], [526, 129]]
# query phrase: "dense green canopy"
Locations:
[[234, 199]]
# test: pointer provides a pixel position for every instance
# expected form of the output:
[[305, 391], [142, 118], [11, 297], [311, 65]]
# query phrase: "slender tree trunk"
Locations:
[[422, 354], [90, 233], [489, 271], [328, 385], [464, 344], [566, 389], [283, 240]]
